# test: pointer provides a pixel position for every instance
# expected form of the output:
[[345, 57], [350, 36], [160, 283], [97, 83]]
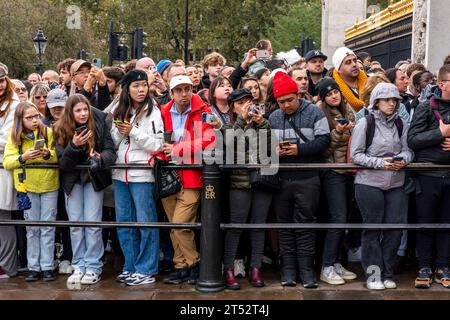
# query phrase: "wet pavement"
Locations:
[[108, 289]]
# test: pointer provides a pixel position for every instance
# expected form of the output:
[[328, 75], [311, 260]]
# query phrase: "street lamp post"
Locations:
[[40, 44]]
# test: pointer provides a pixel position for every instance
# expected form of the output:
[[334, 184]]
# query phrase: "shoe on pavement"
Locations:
[[48, 275], [442, 276], [375, 285], [3, 274], [123, 276], [330, 276], [137, 279], [90, 278], [424, 279], [178, 276], [33, 276], [344, 273], [389, 284], [75, 278]]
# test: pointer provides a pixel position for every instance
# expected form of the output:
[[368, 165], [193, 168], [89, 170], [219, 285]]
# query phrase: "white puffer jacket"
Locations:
[[8, 197], [145, 139]]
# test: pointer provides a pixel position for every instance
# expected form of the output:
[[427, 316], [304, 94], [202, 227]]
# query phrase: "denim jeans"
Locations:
[[379, 248], [41, 240], [339, 192], [140, 246], [85, 204]]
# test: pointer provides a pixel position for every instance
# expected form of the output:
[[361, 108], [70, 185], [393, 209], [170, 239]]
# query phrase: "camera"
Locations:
[[259, 107], [94, 164]]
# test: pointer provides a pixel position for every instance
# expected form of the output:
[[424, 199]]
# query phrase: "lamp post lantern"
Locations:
[[40, 44]]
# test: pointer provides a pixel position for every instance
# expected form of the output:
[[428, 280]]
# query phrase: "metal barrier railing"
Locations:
[[210, 279]]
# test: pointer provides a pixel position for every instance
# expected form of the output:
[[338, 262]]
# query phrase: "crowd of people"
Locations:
[[292, 107]]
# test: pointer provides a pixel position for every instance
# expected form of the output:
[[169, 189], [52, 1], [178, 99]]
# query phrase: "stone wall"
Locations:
[[419, 31]]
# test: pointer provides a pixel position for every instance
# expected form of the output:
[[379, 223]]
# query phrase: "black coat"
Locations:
[[69, 156], [425, 138]]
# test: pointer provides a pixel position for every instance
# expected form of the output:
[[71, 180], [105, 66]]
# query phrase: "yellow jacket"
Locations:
[[36, 180]]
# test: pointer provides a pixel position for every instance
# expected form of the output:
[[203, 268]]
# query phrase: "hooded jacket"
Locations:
[[197, 137], [425, 138], [386, 143]]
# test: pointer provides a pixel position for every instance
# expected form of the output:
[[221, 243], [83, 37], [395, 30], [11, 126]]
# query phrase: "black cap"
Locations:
[[326, 85], [315, 54], [239, 94], [132, 76]]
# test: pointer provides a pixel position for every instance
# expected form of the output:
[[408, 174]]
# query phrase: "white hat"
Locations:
[[339, 55], [291, 57], [274, 72], [176, 81]]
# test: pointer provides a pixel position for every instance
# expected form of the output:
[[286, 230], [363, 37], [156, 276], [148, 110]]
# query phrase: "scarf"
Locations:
[[348, 93]]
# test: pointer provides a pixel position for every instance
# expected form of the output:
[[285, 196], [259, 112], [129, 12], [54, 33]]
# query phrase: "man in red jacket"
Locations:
[[190, 136]]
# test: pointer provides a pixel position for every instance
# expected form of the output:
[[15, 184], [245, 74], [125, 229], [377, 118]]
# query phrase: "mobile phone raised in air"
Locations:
[[39, 144], [97, 62], [262, 54], [397, 159], [342, 120], [208, 117]]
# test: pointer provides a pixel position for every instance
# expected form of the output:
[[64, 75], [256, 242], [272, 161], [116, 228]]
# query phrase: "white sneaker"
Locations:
[[65, 267], [389, 284], [344, 273], [354, 254], [90, 278], [123, 276], [330, 276], [137, 279], [239, 268], [375, 285], [75, 277]]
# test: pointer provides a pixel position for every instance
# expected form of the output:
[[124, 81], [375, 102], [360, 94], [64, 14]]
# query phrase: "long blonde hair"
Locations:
[[371, 83], [64, 128]]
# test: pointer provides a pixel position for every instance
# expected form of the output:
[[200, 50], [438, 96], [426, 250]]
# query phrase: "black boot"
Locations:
[[287, 270], [306, 271]]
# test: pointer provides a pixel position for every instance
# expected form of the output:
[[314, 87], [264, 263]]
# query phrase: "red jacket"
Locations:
[[197, 137]]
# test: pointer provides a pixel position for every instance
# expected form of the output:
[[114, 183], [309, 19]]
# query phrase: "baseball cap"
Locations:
[[315, 54], [56, 98], [176, 81], [77, 65]]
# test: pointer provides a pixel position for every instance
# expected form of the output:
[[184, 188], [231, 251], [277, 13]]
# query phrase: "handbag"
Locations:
[[167, 181], [264, 182]]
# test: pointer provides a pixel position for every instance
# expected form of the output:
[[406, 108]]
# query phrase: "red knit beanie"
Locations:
[[283, 85]]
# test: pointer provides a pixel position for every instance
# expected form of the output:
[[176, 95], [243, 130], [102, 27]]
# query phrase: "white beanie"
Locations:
[[291, 57], [339, 55]]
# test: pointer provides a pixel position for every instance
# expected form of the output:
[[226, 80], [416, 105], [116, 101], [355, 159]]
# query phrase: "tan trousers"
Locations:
[[182, 208]]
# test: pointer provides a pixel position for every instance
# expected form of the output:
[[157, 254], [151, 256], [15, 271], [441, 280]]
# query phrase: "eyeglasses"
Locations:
[[20, 90], [31, 118], [40, 97]]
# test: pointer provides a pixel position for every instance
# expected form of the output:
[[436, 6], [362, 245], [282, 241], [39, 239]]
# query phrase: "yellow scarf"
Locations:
[[348, 93]]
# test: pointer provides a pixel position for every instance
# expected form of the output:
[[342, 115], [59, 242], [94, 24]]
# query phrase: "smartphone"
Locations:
[[262, 54], [208, 117], [284, 144], [342, 120], [397, 159], [39, 144], [80, 129], [97, 62], [152, 69]]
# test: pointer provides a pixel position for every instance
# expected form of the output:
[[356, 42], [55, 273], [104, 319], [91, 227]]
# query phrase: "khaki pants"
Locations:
[[182, 208]]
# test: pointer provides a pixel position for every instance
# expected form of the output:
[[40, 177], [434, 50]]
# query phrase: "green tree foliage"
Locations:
[[301, 18]]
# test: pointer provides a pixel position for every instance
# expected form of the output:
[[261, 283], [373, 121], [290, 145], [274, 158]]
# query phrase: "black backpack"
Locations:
[[370, 130]]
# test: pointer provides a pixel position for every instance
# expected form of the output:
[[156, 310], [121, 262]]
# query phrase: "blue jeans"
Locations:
[[140, 246], [41, 240], [85, 204]]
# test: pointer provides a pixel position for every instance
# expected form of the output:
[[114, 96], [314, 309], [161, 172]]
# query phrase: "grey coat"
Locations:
[[386, 143]]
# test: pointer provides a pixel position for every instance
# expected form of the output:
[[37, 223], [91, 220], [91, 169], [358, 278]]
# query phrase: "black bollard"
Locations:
[[210, 279]]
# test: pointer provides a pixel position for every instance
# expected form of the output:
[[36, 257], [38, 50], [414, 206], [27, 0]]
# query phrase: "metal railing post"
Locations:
[[210, 279]]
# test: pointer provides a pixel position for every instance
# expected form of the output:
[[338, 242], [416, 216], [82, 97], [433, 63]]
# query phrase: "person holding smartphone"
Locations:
[[30, 142], [246, 201], [82, 137], [338, 184], [379, 193]]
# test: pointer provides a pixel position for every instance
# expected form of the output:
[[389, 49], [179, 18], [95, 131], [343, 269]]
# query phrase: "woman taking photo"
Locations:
[[31, 142], [338, 185], [252, 85], [379, 141], [138, 134], [82, 137], [244, 199]]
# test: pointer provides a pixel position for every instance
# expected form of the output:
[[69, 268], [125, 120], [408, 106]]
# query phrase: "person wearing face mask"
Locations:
[[379, 141], [337, 184]]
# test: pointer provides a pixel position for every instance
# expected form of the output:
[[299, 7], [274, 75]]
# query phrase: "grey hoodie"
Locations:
[[386, 143]]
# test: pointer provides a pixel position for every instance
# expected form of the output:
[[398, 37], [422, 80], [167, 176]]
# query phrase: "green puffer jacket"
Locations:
[[244, 151]]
